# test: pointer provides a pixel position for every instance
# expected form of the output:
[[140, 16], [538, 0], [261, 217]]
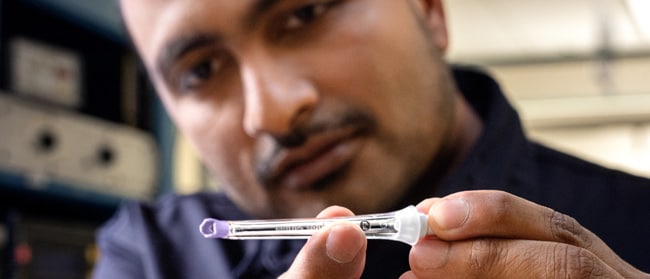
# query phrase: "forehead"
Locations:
[[152, 23]]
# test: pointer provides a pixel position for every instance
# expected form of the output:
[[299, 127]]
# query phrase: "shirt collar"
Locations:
[[500, 158]]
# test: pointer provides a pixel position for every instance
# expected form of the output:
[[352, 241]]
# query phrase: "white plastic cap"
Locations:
[[411, 225]]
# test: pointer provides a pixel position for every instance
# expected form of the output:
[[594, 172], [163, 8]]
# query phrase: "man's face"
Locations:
[[299, 104]]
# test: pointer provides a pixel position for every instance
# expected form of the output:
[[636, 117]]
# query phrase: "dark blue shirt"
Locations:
[[161, 239]]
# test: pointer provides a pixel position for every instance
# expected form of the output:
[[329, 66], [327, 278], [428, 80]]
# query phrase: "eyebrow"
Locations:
[[259, 8], [175, 49]]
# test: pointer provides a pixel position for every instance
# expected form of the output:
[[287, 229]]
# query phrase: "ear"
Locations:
[[433, 16]]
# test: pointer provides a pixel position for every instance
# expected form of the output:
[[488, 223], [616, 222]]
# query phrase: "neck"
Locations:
[[464, 133]]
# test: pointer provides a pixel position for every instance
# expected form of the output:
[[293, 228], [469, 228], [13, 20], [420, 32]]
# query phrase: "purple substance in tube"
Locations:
[[213, 228]]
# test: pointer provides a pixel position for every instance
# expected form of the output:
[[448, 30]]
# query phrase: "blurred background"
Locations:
[[81, 129], [578, 70]]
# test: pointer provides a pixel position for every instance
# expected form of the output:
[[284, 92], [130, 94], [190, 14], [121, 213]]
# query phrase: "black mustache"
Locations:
[[299, 135], [361, 121]]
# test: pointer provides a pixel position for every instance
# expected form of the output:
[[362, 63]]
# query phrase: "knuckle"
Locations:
[[485, 254], [574, 262], [499, 205], [567, 230]]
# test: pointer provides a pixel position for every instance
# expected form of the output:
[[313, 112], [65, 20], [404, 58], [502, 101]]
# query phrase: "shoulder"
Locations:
[[570, 167], [576, 186], [170, 215], [161, 237], [170, 209]]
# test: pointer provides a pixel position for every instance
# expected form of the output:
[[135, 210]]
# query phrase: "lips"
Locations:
[[322, 156]]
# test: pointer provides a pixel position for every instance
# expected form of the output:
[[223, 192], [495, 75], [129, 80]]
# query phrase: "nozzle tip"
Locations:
[[213, 228]]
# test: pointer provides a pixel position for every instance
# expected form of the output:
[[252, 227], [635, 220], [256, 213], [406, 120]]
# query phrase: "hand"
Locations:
[[336, 251], [492, 234]]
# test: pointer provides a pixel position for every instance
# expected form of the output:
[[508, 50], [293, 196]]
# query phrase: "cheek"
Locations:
[[375, 63], [215, 132], [226, 151]]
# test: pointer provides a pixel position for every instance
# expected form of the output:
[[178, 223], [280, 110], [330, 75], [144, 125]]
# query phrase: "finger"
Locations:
[[505, 258], [472, 214], [334, 211], [408, 275], [336, 251]]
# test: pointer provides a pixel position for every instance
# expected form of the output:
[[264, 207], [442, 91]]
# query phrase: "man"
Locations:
[[299, 105]]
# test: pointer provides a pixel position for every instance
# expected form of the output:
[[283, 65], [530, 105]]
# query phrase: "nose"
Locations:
[[276, 98]]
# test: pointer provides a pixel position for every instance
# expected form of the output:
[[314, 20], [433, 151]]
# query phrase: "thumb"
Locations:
[[336, 251]]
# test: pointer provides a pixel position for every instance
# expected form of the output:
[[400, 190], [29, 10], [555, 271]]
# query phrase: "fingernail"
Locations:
[[344, 243], [450, 213]]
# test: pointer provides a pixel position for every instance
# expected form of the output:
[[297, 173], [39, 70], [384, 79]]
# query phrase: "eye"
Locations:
[[199, 74], [306, 14]]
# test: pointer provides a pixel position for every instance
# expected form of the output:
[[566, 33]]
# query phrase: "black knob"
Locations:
[[46, 141], [106, 155]]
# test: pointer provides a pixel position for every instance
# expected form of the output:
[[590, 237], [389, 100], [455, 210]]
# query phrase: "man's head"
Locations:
[[300, 104]]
